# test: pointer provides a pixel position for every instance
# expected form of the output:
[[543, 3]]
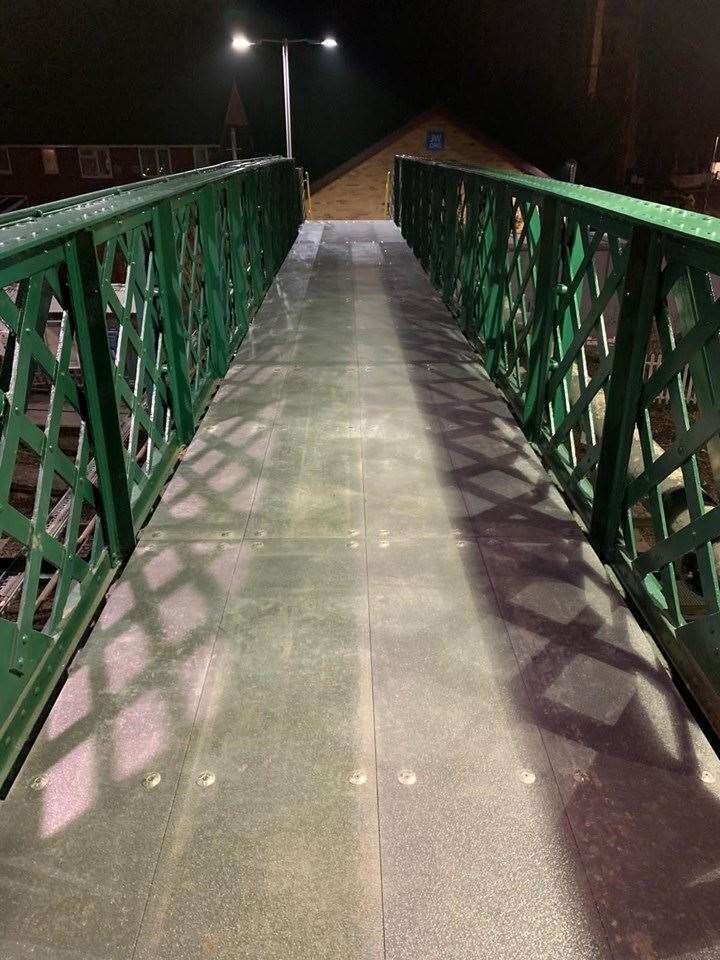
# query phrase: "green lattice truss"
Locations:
[[119, 312], [599, 317]]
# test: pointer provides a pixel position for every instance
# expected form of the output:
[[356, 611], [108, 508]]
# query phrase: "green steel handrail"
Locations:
[[632, 210], [20, 235], [153, 287], [591, 311], [43, 210]]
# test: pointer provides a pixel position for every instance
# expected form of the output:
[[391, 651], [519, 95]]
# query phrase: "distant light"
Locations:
[[240, 42], [329, 42]]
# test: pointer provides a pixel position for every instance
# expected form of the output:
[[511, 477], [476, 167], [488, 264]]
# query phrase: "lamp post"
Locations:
[[242, 44]]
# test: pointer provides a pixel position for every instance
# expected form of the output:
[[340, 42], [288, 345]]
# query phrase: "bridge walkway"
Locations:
[[363, 690]]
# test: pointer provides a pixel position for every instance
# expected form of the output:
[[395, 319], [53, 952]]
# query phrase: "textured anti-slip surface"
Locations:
[[363, 690]]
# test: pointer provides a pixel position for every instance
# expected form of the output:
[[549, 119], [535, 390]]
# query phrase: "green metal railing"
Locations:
[[119, 312], [594, 312]]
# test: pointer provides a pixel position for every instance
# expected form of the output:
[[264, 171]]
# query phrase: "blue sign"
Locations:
[[435, 139]]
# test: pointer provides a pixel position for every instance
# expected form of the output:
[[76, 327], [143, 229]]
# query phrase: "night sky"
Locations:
[[126, 70]]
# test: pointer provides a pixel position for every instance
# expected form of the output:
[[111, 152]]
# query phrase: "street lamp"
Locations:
[[242, 44]]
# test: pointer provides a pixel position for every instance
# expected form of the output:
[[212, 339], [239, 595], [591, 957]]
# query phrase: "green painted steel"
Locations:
[[119, 312], [599, 316]]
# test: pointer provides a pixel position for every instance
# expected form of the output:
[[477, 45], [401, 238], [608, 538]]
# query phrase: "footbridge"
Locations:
[[358, 590]]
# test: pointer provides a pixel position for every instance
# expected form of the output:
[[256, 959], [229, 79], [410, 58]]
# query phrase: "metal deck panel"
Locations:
[[432, 729]]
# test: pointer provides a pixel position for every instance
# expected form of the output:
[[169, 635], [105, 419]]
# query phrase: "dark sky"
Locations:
[[124, 70]]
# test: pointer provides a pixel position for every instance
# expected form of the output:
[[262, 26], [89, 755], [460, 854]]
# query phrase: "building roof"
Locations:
[[434, 116], [358, 188]]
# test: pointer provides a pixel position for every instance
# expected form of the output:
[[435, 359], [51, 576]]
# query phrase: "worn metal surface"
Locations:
[[155, 285], [395, 706], [569, 293]]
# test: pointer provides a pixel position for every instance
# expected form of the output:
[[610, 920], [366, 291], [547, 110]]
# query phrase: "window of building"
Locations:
[[95, 162], [200, 157], [50, 160], [5, 165], [154, 161]]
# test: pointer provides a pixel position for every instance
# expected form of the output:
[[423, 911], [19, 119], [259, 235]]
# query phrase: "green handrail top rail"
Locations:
[[684, 223], [51, 221], [52, 206]]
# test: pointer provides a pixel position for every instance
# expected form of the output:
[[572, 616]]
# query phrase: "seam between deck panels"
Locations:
[[543, 742], [473, 536], [370, 645], [201, 691], [184, 758], [478, 542]]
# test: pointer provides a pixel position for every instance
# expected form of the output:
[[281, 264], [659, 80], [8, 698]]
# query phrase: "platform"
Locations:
[[363, 690]]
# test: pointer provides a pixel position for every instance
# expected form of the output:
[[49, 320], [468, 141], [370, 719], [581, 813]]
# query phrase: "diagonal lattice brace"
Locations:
[[89, 318], [636, 315]]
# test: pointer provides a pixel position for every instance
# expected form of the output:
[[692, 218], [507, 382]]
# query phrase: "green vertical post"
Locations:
[[289, 215], [468, 253], [573, 254], [413, 203], [296, 214], [213, 277], [168, 273], [251, 211], [434, 228], [634, 324], [266, 189], [472, 255], [696, 301], [404, 221], [450, 235], [408, 178], [272, 194], [502, 223], [423, 200], [396, 191], [542, 324], [415, 195], [237, 245], [88, 317]]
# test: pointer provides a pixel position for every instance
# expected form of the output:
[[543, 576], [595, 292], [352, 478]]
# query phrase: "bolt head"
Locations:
[[151, 780]]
